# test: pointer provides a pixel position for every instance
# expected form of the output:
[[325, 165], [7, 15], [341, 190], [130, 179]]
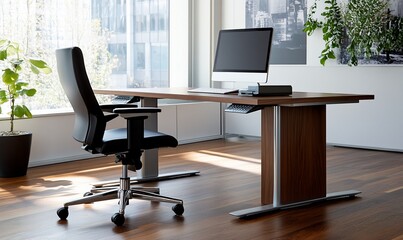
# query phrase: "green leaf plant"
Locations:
[[13, 64], [332, 28], [366, 27]]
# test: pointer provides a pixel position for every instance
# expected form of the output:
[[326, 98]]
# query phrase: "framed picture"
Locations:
[[393, 56], [287, 17]]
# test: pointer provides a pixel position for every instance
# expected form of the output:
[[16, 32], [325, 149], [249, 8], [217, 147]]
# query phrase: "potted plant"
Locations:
[[15, 146]]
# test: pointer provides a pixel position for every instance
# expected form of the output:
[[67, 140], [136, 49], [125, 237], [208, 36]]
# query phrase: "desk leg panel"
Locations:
[[150, 166], [267, 155], [303, 153]]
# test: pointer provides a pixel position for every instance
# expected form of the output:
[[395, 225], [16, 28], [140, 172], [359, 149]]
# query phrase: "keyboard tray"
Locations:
[[242, 108]]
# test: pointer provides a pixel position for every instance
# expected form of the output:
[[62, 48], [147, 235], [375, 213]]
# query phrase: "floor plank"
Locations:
[[229, 181]]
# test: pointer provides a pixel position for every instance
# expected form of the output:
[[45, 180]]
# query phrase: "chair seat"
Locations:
[[115, 140]]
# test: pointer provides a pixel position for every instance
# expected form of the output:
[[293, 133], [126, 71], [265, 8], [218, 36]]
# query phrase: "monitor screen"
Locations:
[[243, 55]]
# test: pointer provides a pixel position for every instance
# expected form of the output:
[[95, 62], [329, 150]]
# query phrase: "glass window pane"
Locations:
[[116, 36]]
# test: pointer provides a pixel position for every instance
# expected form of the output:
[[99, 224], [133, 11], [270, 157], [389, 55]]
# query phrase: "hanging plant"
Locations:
[[332, 28]]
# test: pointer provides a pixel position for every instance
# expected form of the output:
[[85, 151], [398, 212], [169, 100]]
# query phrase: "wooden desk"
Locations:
[[293, 142]]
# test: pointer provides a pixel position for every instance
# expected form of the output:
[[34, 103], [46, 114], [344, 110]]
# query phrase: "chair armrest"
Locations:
[[136, 110], [109, 107], [109, 116]]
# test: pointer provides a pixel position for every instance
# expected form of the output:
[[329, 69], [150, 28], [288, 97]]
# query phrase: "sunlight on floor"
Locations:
[[44, 193], [97, 169], [72, 180], [59, 182], [246, 164], [394, 189]]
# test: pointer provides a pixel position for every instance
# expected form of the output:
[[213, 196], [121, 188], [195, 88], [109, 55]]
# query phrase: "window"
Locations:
[[125, 42]]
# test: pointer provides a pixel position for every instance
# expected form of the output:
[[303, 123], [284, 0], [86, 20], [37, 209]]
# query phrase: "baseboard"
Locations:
[[43, 162], [365, 147], [201, 139], [61, 160]]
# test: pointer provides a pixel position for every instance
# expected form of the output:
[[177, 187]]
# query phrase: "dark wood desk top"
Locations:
[[297, 98]]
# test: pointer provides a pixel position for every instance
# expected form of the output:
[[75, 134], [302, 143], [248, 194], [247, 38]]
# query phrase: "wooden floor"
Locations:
[[229, 181]]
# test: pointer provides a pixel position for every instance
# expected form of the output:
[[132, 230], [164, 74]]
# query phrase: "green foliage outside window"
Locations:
[[41, 27]]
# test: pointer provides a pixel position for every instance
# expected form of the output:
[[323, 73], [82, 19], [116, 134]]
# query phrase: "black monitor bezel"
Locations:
[[219, 42]]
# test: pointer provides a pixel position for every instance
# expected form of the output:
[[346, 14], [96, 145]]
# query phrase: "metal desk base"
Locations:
[[271, 208]]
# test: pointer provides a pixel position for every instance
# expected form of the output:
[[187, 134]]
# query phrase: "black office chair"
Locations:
[[126, 143]]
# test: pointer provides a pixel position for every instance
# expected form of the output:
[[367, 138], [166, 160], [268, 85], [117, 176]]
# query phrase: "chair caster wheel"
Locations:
[[63, 213], [178, 209], [88, 194], [118, 219]]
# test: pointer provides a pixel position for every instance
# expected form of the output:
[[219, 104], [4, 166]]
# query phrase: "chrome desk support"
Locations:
[[276, 205]]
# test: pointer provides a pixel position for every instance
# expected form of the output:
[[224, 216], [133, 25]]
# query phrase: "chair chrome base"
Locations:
[[270, 208], [160, 177], [124, 192]]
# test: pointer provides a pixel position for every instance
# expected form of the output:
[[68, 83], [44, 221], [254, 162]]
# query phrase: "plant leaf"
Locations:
[[9, 76], [30, 92], [12, 49], [3, 96], [3, 54], [40, 66], [27, 113], [20, 85], [323, 60], [34, 69], [19, 111]]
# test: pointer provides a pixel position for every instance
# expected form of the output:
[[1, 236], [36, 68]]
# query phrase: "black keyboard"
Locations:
[[242, 108]]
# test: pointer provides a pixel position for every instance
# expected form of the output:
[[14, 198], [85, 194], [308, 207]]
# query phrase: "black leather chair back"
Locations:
[[90, 122]]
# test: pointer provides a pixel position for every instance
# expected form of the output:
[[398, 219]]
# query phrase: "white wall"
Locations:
[[180, 43], [52, 140], [202, 47], [369, 124]]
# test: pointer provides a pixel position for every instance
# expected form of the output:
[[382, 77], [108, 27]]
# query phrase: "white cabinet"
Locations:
[[191, 122]]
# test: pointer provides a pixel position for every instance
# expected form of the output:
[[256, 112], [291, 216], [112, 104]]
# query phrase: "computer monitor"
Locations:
[[242, 55]]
